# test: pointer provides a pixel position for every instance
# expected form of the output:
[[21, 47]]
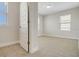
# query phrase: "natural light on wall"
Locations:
[[65, 22], [3, 13], [38, 24]]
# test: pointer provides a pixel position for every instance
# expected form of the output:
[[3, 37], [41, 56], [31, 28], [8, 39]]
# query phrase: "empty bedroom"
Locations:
[[58, 28], [39, 29]]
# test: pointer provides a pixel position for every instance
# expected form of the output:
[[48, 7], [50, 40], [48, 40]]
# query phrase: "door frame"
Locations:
[[28, 29]]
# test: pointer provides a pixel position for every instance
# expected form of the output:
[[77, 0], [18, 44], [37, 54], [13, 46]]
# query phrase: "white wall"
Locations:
[[40, 25], [23, 31], [52, 24], [33, 9], [9, 33]]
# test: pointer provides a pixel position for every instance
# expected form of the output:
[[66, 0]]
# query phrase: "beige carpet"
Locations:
[[49, 47]]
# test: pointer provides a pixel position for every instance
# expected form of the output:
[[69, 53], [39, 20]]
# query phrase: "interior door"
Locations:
[[24, 25]]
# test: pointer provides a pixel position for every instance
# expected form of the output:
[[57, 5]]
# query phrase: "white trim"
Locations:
[[41, 35], [60, 36], [9, 43]]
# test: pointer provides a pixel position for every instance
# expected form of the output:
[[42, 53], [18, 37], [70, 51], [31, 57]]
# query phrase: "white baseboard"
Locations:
[[60, 36], [41, 35], [9, 43]]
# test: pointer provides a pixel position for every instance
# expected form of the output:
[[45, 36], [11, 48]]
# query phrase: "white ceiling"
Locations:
[[55, 7]]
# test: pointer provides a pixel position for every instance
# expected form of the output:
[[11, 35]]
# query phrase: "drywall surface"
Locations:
[[33, 17], [52, 24], [23, 31], [9, 32], [40, 25]]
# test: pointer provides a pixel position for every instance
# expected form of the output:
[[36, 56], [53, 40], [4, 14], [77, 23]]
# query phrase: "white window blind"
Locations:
[[65, 22]]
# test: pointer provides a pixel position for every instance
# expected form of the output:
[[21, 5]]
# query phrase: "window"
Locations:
[[3, 13], [65, 22]]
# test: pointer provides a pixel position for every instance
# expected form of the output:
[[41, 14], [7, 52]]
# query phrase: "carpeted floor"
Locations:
[[49, 47]]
